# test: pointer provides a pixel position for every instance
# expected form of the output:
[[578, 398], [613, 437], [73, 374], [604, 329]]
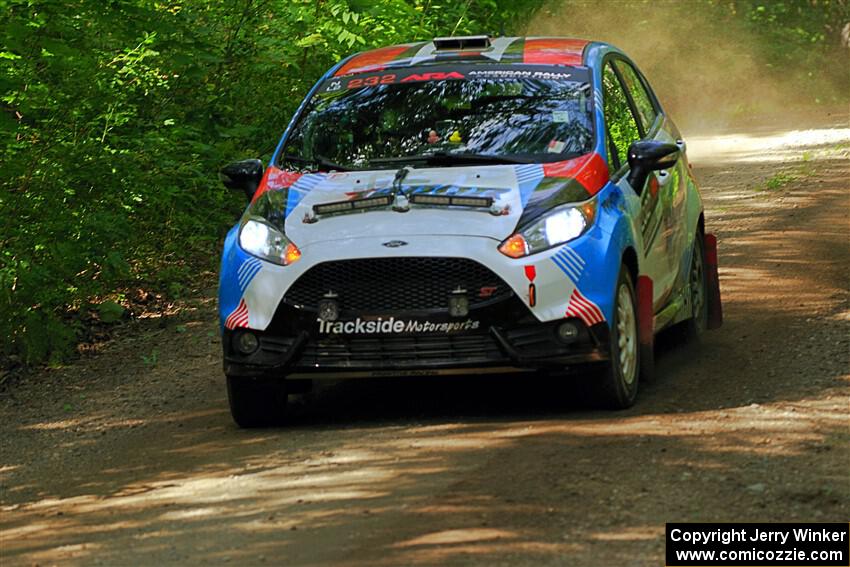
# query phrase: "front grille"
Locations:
[[399, 352], [379, 285]]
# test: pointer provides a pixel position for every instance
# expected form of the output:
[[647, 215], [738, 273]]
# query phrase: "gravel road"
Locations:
[[129, 456]]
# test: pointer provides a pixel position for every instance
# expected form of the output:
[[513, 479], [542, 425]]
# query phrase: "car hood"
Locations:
[[518, 192]]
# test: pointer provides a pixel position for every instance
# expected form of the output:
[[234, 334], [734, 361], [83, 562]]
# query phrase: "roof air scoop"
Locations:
[[462, 42]]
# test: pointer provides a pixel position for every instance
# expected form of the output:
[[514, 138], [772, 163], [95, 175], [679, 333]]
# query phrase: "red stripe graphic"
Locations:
[[590, 170], [239, 317], [275, 178], [583, 308], [372, 60], [553, 51]]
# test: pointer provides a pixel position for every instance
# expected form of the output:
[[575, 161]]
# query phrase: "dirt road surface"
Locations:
[[129, 457]]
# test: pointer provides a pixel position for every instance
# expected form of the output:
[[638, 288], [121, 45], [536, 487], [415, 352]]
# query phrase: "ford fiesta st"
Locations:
[[465, 205]]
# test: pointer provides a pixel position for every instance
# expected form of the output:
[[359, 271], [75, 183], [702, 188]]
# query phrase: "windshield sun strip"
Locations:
[[578, 76]]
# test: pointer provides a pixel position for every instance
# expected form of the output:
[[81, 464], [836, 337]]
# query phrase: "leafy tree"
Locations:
[[116, 116]]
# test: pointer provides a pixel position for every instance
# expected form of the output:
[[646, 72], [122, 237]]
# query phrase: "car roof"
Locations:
[[473, 50]]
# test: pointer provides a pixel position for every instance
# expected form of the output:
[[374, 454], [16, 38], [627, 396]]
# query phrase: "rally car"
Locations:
[[465, 205]]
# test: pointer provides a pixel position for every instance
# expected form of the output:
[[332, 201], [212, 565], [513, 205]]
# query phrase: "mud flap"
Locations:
[[715, 308], [646, 328]]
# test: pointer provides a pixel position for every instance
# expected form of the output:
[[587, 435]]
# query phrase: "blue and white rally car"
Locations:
[[465, 205]]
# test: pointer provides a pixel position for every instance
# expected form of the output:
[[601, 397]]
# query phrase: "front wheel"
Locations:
[[256, 402], [617, 385], [698, 285]]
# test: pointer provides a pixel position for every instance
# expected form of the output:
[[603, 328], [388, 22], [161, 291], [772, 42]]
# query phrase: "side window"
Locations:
[[620, 123], [641, 98]]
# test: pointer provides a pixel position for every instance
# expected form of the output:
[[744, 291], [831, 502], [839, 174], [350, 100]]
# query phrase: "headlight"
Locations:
[[558, 226], [259, 238]]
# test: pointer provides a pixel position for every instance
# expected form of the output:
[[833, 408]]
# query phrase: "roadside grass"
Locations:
[[786, 176]]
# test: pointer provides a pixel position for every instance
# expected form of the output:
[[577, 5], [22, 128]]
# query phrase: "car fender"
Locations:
[[604, 246]]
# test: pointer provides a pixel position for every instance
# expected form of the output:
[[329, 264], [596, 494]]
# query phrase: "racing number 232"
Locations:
[[371, 81]]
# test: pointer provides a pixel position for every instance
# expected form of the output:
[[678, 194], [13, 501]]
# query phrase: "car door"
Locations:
[[625, 125], [671, 184]]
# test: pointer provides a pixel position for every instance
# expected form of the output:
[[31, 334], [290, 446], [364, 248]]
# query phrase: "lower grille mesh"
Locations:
[[390, 352], [397, 284]]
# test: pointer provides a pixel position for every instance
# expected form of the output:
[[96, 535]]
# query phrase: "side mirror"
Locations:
[[243, 175], [649, 155]]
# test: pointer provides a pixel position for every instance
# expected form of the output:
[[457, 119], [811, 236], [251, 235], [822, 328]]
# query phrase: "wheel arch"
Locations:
[[630, 260]]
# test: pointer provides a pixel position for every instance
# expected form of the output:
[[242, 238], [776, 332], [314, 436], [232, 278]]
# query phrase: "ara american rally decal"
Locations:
[[330, 87]]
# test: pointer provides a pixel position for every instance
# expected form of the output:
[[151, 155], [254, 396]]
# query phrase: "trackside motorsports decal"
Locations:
[[393, 326]]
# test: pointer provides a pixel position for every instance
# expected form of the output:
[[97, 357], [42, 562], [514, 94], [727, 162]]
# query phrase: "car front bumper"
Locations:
[[507, 339]]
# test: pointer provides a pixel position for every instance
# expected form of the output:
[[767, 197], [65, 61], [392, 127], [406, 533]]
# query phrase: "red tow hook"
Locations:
[[715, 308], [646, 327]]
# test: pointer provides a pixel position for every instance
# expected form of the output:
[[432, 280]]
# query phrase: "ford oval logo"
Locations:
[[395, 243]]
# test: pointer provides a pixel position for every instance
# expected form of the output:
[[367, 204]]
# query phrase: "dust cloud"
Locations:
[[710, 74]]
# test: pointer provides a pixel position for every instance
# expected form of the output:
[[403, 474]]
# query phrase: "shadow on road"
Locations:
[[748, 425]]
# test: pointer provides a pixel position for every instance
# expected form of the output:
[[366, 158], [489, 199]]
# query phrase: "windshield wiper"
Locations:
[[468, 157], [451, 158], [397, 159], [321, 161]]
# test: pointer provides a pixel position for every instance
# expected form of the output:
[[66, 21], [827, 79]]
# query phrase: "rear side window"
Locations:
[[620, 124], [643, 103]]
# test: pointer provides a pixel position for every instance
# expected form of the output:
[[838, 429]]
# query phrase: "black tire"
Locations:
[[616, 386], [698, 289], [256, 402]]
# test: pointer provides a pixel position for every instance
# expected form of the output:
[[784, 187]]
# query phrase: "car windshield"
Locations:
[[456, 116]]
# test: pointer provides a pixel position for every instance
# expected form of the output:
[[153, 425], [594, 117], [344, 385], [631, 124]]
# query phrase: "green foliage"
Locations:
[[788, 176], [779, 180], [117, 115], [152, 359], [794, 37], [110, 312]]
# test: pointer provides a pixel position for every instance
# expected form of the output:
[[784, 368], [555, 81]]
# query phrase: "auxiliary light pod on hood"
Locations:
[[383, 201]]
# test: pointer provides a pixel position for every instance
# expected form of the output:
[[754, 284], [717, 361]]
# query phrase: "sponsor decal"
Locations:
[[556, 146], [375, 77], [393, 373], [393, 326], [518, 74], [432, 77]]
